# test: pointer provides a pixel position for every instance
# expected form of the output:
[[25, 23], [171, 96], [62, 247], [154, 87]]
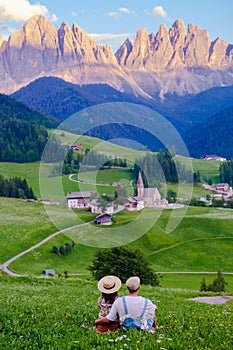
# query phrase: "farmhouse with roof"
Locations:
[[134, 203], [76, 200], [222, 188], [97, 208]]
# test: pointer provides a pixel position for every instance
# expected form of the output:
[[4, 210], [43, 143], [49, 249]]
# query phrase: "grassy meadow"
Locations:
[[42, 178], [203, 241], [46, 313]]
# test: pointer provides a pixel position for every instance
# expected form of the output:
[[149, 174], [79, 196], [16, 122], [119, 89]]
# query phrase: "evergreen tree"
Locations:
[[203, 285], [15, 187], [219, 284]]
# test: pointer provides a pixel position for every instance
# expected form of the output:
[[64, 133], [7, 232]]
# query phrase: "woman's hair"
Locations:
[[110, 298]]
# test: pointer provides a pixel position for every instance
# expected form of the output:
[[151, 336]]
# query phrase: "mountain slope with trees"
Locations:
[[213, 136], [60, 99], [23, 134]]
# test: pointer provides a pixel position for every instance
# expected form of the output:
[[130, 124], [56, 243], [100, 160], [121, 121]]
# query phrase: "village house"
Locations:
[[213, 157], [77, 200], [96, 207], [134, 203], [222, 188], [76, 147], [103, 219]]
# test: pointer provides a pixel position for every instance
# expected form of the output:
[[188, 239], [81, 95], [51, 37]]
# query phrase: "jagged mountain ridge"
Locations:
[[172, 61]]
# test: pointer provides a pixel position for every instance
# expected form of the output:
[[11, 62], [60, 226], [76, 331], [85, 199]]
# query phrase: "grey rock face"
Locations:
[[165, 62]]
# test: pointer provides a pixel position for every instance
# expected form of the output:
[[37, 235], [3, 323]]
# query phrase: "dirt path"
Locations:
[[86, 182], [4, 266]]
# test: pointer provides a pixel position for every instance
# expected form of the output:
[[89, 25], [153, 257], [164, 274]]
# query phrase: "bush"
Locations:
[[123, 263], [218, 285]]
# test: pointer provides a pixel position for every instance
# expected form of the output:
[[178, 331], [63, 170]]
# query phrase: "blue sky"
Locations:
[[113, 21]]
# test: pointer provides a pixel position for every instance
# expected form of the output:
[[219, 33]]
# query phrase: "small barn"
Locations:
[[104, 219]]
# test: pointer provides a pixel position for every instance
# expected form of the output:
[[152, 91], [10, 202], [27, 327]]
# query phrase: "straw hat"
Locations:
[[109, 284]]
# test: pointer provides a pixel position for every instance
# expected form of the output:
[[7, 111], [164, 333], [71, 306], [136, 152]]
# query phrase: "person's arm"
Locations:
[[112, 316], [102, 320]]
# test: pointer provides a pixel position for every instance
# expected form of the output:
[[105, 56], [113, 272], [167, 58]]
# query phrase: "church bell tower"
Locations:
[[140, 185]]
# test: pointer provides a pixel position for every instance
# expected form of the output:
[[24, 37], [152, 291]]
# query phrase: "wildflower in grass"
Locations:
[[121, 337]]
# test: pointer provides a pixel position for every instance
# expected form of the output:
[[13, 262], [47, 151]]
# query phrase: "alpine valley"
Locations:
[[181, 74]]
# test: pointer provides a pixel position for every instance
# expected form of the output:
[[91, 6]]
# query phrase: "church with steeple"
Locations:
[[146, 197], [150, 195]]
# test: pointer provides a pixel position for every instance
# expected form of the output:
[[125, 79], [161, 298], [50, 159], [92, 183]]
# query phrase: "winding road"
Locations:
[[4, 266], [5, 269]]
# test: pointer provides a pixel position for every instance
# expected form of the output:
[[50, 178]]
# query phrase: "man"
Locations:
[[133, 306]]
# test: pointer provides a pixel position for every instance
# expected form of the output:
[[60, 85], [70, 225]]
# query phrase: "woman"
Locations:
[[109, 286]]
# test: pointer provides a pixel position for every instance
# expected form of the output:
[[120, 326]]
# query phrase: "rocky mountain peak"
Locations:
[[197, 46], [138, 51], [169, 60], [163, 31], [1, 41], [177, 33], [123, 52]]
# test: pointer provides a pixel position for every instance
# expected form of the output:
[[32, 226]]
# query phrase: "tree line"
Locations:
[[15, 187], [160, 167], [23, 132], [75, 161], [21, 141], [226, 172]]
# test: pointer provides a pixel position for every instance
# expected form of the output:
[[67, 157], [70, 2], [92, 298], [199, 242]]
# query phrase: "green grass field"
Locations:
[[203, 241], [42, 180], [47, 313], [99, 145], [206, 168]]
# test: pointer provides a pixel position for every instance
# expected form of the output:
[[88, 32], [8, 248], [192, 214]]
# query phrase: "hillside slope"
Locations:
[[60, 99], [23, 131], [212, 136]]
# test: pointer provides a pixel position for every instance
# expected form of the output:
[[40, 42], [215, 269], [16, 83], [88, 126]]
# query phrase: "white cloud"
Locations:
[[127, 11], [113, 14], [74, 14], [159, 11], [124, 10], [21, 10], [53, 18], [113, 40], [108, 36]]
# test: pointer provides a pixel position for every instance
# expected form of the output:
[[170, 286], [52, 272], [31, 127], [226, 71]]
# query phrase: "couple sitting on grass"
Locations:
[[131, 311]]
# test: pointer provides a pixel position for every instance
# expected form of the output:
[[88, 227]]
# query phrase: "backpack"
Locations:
[[130, 322]]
